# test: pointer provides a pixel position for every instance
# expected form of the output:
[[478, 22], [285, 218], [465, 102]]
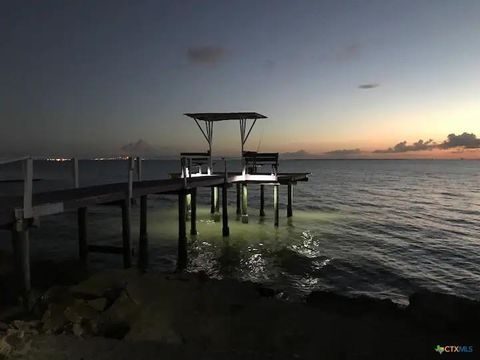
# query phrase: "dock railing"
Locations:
[[135, 171], [26, 212], [27, 169]]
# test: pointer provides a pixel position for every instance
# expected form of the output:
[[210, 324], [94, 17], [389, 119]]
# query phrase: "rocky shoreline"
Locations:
[[117, 313]]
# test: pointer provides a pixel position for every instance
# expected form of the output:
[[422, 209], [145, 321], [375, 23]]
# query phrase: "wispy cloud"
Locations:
[[343, 152], [269, 65], [300, 154], [348, 53], [140, 147], [368, 86], [205, 55], [342, 54]]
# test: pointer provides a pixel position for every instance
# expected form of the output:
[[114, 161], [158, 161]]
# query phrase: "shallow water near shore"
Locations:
[[378, 228]]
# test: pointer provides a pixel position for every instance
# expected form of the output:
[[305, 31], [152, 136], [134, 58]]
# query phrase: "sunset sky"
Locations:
[[89, 78]]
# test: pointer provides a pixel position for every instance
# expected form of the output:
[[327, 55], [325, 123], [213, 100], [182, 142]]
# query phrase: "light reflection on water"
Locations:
[[257, 251]]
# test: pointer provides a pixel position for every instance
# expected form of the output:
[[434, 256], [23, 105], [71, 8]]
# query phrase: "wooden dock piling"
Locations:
[[275, 205], [212, 200], [217, 203], [225, 228], [139, 169], [290, 201], [143, 238], [21, 253], [244, 203], [82, 235], [131, 169], [262, 200], [193, 213], [239, 210], [75, 173], [182, 234], [188, 205], [27, 188]]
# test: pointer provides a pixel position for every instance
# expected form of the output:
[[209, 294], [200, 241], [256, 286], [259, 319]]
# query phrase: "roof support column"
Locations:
[[208, 135], [244, 134]]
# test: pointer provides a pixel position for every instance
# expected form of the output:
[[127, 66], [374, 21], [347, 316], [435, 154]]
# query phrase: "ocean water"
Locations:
[[372, 227]]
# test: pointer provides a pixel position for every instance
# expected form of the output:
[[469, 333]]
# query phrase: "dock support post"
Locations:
[[27, 188], [212, 200], [182, 234], [262, 200], [21, 252], [193, 214], [127, 254], [244, 203], [75, 173], [239, 211], [225, 228], [143, 239], [289, 201], [139, 169], [82, 235], [131, 168], [215, 203], [275, 204], [188, 206]]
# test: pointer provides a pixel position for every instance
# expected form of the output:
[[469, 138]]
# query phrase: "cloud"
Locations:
[[205, 55], [269, 65], [140, 147], [368, 86], [342, 54], [348, 53], [402, 147], [300, 154], [343, 152], [465, 140]]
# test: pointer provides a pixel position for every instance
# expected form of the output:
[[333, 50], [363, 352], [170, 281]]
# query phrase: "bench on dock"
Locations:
[[253, 160], [197, 159]]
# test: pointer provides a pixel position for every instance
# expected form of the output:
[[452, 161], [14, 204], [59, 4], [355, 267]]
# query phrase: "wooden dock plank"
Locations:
[[57, 201]]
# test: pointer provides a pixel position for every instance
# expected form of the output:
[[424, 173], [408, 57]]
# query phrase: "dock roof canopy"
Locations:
[[211, 118], [226, 116]]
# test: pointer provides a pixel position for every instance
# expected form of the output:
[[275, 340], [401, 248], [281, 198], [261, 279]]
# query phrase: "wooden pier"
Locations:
[[18, 214]]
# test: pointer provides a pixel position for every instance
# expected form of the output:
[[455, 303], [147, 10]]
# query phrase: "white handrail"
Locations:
[[131, 169], [75, 181], [9, 161], [139, 169], [27, 169], [27, 188]]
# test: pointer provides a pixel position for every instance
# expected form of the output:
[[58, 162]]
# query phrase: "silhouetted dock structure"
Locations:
[[21, 212]]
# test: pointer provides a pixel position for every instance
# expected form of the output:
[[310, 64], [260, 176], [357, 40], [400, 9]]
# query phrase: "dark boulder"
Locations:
[[344, 305], [444, 312]]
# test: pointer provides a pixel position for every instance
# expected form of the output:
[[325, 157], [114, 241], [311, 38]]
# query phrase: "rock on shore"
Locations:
[[122, 314]]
